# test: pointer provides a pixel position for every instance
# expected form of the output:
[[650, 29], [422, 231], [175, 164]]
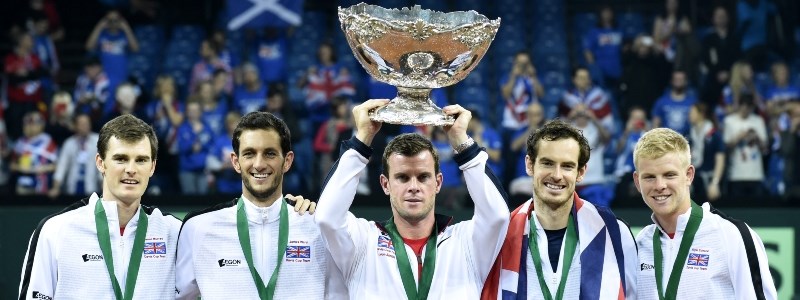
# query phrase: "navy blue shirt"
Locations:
[[554, 238]]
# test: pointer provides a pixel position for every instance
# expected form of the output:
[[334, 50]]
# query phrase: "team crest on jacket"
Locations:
[[154, 247], [385, 246], [698, 259], [298, 251]]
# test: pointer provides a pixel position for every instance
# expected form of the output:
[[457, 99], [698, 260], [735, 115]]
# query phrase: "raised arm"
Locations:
[[339, 229], [490, 221]]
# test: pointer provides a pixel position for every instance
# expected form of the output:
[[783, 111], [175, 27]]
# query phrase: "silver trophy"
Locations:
[[416, 50]]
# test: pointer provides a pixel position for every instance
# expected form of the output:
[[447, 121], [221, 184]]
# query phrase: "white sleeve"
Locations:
[[490, 222], [40, 267], [630, 251], [740, 268], [185, 280], [344, 235]]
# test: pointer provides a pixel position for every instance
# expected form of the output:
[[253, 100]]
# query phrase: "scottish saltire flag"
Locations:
[[600, 247], [263, 13], [155, 248], [298, 252]]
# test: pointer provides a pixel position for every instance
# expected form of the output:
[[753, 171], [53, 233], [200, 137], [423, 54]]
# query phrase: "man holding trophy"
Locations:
[[416, 254]]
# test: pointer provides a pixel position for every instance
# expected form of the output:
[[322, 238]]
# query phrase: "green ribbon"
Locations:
[[695, 217], [425, 279], [264, 292], [103, 237], [570, 245]]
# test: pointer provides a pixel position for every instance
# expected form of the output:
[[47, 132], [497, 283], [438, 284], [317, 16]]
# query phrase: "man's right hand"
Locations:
[[366, 129]]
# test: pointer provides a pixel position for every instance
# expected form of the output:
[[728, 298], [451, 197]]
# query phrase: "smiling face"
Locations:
[[664, 183], [412, 184], [126, 169], [261, 163], [555, 171]]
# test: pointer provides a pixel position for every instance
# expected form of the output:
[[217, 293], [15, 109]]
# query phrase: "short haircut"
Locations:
[[128, 129], [259, 120], [409, 144], [558, 130], [658, 142]]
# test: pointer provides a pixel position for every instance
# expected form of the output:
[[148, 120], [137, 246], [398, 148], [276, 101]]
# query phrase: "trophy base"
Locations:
[[412, 106]]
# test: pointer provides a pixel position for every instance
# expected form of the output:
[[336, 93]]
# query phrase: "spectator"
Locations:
[[165, 114], [249, 96], [519, 89], [226, 180], [194, 143], [790, 144], [645, 75], [92, 89], [666, 26], [602, 48], [276, 105], [60, 123], [76, 174], [219, 81], [741, 82], [778, 95], [25, 18], [708, 154], [125, 103], [112, 37], [324, 81], [745, 136], [213, 111], [672, 109], [487, 137], [635, 127], [228, 56], [520, 185], [720, 51], [331, 134], [24, 73], [34, 157], [210, 61], [270, 54], [453, 191], [593, 186], [591, 97], [687, 51], [753, 18], [46, 51]]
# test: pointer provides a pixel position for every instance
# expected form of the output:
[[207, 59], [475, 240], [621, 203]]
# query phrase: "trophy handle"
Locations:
[[412, 106]]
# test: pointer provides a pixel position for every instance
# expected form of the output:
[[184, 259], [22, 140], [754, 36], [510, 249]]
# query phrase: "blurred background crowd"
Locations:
[[725, 73]]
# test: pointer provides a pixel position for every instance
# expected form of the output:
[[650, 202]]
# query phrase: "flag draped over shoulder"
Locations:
[[601, 257]]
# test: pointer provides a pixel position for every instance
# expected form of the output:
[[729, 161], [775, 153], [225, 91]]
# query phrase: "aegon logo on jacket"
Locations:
[[229, 262]]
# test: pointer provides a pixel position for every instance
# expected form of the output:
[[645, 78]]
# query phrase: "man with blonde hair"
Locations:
[[697, 247]]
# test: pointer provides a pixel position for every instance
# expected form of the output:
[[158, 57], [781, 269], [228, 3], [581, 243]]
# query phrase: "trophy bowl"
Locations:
[[416, 50]]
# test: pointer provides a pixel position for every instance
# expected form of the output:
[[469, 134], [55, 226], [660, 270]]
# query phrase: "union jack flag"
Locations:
[[298, 251], [696, 259], [385, 242], [155, 248]]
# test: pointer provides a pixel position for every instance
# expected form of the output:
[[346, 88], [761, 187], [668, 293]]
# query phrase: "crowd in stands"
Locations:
[[735, 98]]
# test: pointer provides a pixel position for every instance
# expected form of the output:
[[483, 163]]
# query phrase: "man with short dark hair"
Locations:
[[558, 245], [416, 254], [253, 246], [98, 247]]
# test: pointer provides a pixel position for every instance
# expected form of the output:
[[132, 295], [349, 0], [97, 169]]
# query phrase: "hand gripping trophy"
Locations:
[[416, 50]]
